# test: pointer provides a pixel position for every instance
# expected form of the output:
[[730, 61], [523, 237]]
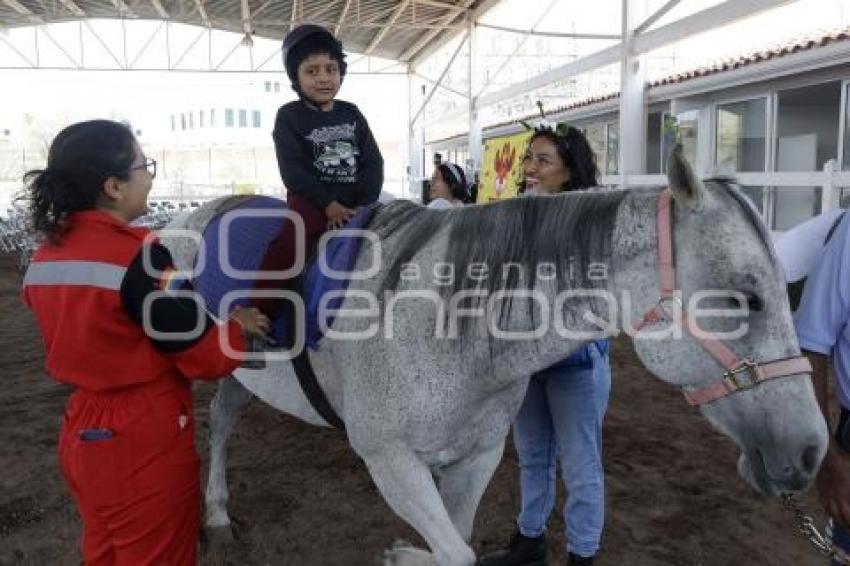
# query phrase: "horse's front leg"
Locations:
[[408, 487], [225, 409], [462, 484]]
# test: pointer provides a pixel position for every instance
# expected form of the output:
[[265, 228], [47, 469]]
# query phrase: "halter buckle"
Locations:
[[667, 305], [745, 375]]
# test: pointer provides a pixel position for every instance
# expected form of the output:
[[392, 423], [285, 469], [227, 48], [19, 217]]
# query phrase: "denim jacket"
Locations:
[[582, 357]]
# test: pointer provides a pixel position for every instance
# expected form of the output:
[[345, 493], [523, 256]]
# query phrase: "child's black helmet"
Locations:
[[309, 35]]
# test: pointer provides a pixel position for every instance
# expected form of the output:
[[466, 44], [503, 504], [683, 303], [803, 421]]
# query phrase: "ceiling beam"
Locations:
[[123, 9], [157, 5], [293, 15], [199, 4], [660, 13], [387, 27], [430, 38], [23, 11], [443, 5], [553, 33], [74, 8], [717, 16], [246, 18], [342, 16]]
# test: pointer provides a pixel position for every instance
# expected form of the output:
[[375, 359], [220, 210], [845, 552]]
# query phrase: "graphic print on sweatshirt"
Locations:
[[335, 153]]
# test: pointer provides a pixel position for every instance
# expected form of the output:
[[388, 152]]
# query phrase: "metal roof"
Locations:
[[790, 47], [393, 29]]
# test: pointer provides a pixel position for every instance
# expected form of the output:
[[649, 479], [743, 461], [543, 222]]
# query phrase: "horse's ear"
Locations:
[[687, 189]]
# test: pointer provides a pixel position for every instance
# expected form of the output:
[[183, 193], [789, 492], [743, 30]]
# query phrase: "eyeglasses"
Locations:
[[149, 165]]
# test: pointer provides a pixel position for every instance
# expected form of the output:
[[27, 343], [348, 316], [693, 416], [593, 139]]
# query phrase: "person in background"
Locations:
[[561, 417], [448, 187], [823, 327], [97, 286], [327, 156]]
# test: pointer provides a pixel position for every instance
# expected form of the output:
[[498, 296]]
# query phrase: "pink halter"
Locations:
[[740, 374]]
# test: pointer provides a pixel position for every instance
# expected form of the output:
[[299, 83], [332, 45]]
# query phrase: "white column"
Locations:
[[416, 134], [632, 94], [474, 141]]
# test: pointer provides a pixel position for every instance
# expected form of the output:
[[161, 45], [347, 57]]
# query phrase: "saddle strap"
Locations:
[[311, 388], [301, 362]]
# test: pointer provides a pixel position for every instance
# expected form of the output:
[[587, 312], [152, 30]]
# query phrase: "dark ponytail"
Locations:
[[81, 158], [455, 178]]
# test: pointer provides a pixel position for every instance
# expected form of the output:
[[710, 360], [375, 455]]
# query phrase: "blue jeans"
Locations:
[[561, 418], [840, 535]]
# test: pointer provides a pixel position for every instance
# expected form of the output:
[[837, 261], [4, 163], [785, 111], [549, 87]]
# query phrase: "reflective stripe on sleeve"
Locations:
[[90, 273]]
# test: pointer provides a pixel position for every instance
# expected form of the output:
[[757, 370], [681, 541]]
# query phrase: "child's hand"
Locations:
[[338, 215], [251, 320]]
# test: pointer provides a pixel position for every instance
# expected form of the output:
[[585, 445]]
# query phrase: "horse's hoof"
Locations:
[[402, 554], [219, 536]]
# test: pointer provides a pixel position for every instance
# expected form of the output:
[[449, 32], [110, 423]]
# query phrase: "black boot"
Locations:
[[576, 560], [521, 551]]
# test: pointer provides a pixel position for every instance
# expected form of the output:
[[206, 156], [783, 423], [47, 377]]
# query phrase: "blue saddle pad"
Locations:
[[339, 255], [248, 237]]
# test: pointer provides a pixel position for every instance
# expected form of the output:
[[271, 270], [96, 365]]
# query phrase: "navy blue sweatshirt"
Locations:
[[328, 156]]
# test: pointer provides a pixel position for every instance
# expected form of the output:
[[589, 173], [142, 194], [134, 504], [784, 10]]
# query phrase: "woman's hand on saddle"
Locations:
[[833, 483], [338, 215], [252, 320]]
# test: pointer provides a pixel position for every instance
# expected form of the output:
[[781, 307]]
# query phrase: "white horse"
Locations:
[[429, 390]]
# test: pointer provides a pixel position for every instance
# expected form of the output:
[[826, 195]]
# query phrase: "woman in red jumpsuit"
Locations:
[[128, 347]]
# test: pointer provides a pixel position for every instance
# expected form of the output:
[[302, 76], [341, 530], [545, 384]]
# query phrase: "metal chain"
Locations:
[[806, 527]]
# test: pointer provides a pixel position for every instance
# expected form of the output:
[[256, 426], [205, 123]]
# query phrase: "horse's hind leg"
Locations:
[[409, 489], [225, 409], [463, 483]]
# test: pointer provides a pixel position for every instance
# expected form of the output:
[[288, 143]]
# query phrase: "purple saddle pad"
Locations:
[[234, 246]]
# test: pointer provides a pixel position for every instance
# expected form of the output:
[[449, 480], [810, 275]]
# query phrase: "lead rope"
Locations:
[[806, 527]]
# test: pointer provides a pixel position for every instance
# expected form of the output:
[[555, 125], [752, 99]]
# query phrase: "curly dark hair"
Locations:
[[577, 155], [81, 158]]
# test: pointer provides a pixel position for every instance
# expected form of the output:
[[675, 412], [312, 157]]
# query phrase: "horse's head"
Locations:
[[741, 366]]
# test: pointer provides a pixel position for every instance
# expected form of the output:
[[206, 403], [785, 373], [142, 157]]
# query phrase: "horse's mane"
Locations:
[[570, 231], [730, 186]]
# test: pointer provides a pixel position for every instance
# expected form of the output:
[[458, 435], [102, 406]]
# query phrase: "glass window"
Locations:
[[612, 165], [793, 205], [806, 138], [255, 118], [653, 143], [173, 123], [595, 134], [212, 118], [741, 131], [228, 118], [613, 153], [201, 119], [846, 157], [685, 127], [277, 86], [844, 198], [182, 121], [243, 118], [191, 120], [268, 86]]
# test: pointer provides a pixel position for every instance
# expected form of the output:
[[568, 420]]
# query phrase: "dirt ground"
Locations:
[[300, 496]]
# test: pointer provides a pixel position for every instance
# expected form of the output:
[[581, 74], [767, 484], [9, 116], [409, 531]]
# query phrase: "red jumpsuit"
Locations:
[[127, 441]]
